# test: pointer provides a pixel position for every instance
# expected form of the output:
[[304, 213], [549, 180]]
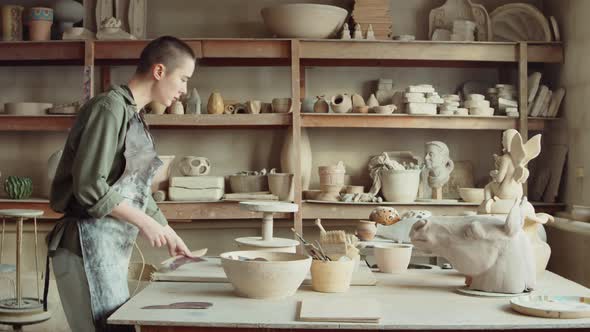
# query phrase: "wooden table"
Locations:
[[415, 300]]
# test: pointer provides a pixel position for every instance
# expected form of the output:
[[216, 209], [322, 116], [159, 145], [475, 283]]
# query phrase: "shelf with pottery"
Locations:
[[65, 122], [351, 120], [184, 211], [342, 210], [209, 51], [377, 53]]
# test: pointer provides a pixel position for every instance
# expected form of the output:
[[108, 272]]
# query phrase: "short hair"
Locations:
[[166, 50], [442, 146]]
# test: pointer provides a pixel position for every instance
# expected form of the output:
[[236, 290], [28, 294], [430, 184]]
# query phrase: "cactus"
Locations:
[[18, 187]]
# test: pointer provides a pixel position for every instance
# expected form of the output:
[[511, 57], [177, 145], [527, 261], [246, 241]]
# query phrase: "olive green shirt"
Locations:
[[93, 160]]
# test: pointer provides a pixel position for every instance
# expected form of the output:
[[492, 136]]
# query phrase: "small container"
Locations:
[[331, 276], [366, 230], [393, 258]]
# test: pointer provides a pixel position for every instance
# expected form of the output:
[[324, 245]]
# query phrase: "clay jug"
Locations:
[[215, 104], [341, 103], [321, 105]]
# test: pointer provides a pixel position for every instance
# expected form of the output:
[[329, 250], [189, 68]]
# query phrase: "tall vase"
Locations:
[[67, 12], [288, 157], [12, 23], [215, 104]]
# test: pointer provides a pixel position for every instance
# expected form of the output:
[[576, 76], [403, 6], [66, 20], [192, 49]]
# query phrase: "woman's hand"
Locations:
[[175, 244], [154, 233]]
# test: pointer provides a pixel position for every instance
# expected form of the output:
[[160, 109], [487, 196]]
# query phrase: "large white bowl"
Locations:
[[300, 20], [400, 185], [278, 277]]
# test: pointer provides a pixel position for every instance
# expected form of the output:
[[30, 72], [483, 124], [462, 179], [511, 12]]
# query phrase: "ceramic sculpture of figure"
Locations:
[[370, 33], [439, 166], [510, 172], [495, 255], [345, 32], [358, 33]]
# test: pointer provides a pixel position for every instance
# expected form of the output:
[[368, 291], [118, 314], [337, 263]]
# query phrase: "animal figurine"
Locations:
[[495, 255]]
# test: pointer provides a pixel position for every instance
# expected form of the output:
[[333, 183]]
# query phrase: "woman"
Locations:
[[102, 185]]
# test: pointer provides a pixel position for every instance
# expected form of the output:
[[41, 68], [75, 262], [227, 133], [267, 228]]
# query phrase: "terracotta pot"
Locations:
[[161, 180], [393, 258], [215, 104], [12, 23], [281, 184], [366, 230], [40, 21], [341, 103]]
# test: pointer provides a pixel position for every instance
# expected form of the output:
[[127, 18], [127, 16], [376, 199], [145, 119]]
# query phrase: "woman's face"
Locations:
[[171, 84]]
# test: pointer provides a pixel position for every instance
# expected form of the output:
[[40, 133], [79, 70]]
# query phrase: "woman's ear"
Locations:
[[158, 71]]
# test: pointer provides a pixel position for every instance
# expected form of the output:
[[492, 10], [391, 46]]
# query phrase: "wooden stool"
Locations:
[[20, 311]]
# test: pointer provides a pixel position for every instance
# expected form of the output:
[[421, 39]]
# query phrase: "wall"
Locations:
[[235, 150]]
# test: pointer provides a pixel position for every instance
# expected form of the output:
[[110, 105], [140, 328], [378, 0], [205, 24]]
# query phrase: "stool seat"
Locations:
[[7, 268], [21, 213]]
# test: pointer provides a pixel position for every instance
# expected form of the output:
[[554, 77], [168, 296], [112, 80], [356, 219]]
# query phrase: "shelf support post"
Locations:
[[523, 94], [88, 79], [296, 130]]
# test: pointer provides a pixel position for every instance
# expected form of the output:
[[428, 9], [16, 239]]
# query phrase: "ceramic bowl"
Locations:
[[386, 109], [393, 258], [278, 275], [400, 185], [281, 105], [311, 194], [304, 20], [471, 195], [248, 183], [361, 109]]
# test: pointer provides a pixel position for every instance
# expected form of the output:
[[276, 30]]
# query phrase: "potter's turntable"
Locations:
[[267, 242]]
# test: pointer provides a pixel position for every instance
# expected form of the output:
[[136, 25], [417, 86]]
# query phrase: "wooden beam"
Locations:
[[296, 129], [523, 95], [219, 120]]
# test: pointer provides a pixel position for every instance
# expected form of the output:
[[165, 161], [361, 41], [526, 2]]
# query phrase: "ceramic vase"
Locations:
[[12, 23], [40, 20], [341, 103], [215, 104], [366, 230], [176, 108], [288, 157], [321, 105], [67, 12], [193, 102]]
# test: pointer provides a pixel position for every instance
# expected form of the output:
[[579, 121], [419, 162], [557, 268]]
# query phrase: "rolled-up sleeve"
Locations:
[[154, 211], [94, 161]]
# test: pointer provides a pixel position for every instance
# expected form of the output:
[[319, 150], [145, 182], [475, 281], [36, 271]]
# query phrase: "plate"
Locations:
[[474, 292], [519, 22], [552, 306]]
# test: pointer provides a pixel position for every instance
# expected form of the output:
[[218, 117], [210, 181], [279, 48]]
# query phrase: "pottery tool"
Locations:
[[175, 262], [313, 251], [181, 305], [331, 236]]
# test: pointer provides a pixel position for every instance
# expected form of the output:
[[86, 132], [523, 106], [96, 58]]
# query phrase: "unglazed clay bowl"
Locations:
[[304, 20], [393, 258], [471, 195], [274, 275]]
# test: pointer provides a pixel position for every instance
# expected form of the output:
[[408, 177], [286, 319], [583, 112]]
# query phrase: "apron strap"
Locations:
[[53, 239]]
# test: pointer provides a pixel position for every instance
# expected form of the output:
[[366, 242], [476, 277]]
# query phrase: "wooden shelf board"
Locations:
[[65, 122], [452, 52], [233, 52], [56, 52], [334, 210], [350, 120], [219, 120], [36, 123], [179, 211]]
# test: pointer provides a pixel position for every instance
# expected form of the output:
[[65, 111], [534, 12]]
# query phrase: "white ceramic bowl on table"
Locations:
[[277, 277], [301, 20], [393, 257]]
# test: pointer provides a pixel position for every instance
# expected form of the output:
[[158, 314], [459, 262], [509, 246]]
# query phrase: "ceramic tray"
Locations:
[[552, 306]]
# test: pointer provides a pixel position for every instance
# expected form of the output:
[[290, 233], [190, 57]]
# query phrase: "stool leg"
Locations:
[[19, 252], [36, 261]]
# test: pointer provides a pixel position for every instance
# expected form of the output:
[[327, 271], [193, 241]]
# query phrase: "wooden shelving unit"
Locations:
[[298, 55]]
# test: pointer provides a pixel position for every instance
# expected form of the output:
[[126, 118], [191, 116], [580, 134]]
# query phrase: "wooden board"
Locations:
[[339, 310], [211, 270]]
